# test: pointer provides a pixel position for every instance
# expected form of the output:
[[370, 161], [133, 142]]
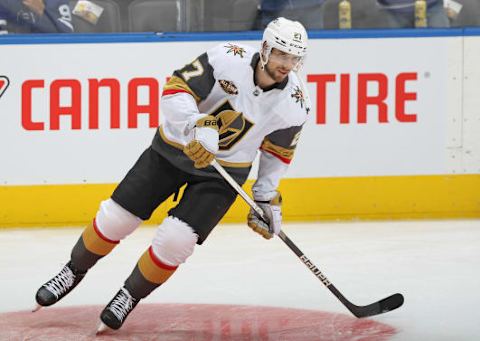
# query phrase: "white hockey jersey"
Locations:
[[221, 83]]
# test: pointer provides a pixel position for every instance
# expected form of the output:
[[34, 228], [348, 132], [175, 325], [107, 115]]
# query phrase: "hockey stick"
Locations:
[[389, 303]]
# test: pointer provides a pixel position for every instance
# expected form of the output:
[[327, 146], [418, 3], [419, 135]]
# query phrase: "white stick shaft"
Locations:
[[239, 189], [382, 306]]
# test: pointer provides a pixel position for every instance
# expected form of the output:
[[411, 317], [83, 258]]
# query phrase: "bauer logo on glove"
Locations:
[[204, 145]]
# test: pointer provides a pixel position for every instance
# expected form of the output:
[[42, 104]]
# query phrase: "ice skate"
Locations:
[[115, 313], [59, 286]]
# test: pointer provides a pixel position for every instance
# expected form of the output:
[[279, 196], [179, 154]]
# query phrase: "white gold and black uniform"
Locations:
[[221, 83]]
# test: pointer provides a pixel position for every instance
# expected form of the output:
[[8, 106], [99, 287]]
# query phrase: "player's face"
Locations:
[[280, 64]]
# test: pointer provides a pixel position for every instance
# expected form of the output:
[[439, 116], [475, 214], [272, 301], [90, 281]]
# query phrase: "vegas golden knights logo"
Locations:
[[232, 125]]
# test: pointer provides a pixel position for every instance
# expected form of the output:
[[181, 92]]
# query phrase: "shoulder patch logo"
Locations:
[[4, 83], [298, 96], [228, 86], [235, 49]]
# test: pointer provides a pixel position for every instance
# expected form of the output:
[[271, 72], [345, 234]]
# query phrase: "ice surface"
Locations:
[[434, 264]]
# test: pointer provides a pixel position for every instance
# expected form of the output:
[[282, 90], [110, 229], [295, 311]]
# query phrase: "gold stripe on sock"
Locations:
[[153, 270], [96, 243]]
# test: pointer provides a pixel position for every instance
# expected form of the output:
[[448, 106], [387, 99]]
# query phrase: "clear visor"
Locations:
[[284, 58]]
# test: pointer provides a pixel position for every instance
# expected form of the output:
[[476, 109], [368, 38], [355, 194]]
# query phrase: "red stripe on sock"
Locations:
[[158, 262], [95, 227]]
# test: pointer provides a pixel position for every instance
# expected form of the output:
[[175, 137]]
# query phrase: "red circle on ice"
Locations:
[[200, 322]]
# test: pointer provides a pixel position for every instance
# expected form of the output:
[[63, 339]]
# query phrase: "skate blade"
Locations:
[[102, 327], [37, 308]]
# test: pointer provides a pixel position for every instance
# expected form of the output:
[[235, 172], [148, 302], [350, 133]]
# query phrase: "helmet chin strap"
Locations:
[[299, 65], [262, 64], [265, 50]]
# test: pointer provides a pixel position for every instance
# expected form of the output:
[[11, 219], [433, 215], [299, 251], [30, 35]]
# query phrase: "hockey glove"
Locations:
[[204, 145], [273, 212]]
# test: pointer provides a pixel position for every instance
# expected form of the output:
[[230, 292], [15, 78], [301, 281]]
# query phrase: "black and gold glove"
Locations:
[[204, 145]]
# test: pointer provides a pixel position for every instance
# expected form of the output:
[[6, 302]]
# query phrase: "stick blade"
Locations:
[[392, 302], [387, 304]]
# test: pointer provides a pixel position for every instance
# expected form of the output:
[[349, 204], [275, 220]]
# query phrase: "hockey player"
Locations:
[[35, 16], [227, 104]]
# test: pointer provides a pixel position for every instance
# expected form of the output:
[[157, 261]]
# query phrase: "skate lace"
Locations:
[[62, 282], [122, 304]]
